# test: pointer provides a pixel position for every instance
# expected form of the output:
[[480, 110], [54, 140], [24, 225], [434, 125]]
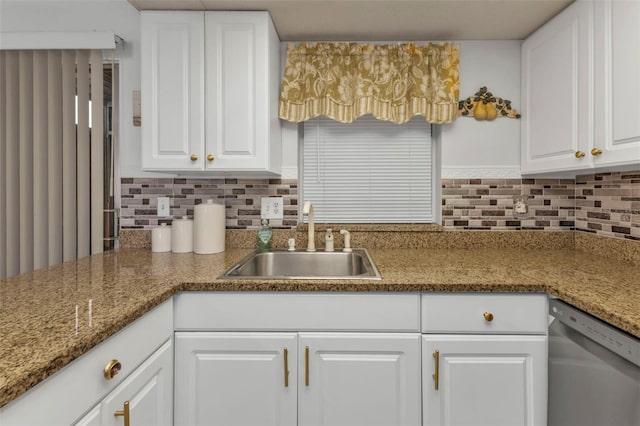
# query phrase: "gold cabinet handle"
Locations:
[[436, 374], [596, 151], [580, 154], [194, 157], [112, 368], [210, 157], [286, 368], [488, 316], [306, 365], [124, 413]]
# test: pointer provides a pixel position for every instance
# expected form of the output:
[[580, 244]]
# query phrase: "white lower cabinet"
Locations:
[[359, 379], [484, 380], [350, 379], [144, 398], [236, 366], [325, 359], [484, 359], [235, 378]]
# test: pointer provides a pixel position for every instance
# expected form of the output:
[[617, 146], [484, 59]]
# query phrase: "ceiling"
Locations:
[[387, 20]]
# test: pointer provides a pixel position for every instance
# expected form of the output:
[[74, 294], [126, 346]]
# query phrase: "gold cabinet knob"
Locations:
[[579, 154], [194, 157], [210, 157], [596, 151], [488, 316], [112, 368]]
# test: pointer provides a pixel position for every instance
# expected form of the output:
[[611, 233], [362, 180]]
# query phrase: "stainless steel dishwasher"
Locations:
[[594, 371]]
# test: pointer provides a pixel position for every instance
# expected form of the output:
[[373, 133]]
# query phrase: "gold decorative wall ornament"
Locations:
[[484, 106]]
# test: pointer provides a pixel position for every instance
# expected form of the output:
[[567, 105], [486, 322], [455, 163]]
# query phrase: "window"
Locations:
[[370, 171]]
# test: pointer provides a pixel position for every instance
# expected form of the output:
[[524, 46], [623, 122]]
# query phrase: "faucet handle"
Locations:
[[347, 240]]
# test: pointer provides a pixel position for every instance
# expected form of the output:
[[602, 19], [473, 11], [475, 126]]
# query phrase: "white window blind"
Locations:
[[369, 171]]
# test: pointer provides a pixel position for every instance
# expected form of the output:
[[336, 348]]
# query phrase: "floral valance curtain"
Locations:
[[393, 82]]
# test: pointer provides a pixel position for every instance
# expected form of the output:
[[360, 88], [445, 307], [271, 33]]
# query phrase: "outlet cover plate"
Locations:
[[272, 208], [164, 209]]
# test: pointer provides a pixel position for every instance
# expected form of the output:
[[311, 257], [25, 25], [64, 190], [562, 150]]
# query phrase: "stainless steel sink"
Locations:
[[300, 264]]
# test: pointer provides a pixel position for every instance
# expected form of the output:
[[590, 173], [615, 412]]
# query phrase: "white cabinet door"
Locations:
[[172, 89], [235, 379], [242, 63], [617, 85], [356, 379], [148, 391], [557, 87], [484, 380]]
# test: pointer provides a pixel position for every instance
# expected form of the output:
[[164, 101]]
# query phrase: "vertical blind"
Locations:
[[51, 157], [368, 171]]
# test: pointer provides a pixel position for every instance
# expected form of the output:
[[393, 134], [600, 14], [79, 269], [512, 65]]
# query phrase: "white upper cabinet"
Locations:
[[579, 90], [556, 93], [243, 80], [617, 83], [172, 90], [210, 87]]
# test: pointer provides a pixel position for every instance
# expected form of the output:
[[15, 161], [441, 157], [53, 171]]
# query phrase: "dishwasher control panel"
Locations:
[[611, 338]]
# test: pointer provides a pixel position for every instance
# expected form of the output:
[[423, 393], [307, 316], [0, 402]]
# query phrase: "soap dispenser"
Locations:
[[265, 236], [328, 240]]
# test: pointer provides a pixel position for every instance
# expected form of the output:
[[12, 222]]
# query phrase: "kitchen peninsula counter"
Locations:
[[39, 336]]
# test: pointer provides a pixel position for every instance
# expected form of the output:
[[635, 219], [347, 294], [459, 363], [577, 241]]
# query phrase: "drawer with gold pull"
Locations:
[[497, 313]]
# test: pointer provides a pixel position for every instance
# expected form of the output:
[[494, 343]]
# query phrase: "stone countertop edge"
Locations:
[[127, 284]]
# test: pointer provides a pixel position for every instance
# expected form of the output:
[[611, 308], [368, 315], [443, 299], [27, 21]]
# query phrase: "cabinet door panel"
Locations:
[[482, 380], [617, 124], [92, 418], [242, 62], [359, 379], [235, 379], [557, 84], [149, 391], [236, 99], [172, 90]]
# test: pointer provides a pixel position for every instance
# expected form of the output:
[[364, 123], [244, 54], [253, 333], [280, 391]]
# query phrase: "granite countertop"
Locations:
[[38, 333]]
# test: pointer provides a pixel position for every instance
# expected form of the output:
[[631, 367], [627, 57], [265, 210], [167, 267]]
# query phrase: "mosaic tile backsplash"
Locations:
[[604, 203], [609, 204], [242, 198]]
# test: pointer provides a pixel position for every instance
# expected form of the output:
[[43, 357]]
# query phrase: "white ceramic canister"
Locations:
[[161, 238], [209, 228], [182, 235]]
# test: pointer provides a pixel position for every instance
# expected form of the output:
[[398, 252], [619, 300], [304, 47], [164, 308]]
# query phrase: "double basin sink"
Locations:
[[299, 264]]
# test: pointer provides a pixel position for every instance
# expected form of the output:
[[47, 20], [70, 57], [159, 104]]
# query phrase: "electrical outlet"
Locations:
[[520, 205], [272, 208], [164, 209]]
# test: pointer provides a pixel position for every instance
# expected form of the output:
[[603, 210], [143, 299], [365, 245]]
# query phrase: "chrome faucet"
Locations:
[[308, 210]]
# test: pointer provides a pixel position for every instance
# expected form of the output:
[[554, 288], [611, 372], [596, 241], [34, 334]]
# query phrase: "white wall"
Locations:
[[469, 148], [472, 148]]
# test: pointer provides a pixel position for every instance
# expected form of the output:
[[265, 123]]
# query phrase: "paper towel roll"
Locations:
[[209, 228], [182, 235], [161, 238]]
